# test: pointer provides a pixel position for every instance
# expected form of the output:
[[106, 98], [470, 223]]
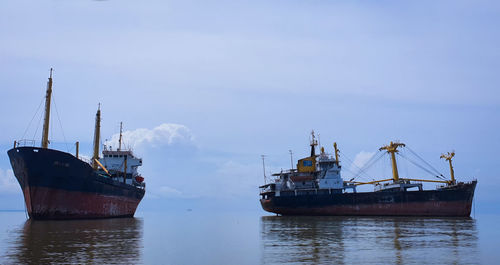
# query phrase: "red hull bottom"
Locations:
[[47, 203], [429, 208]]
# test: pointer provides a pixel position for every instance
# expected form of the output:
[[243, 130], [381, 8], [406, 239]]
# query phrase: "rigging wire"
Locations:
[[368, 165], [38, 126], [425, 162], [365, 167], [34, 115], [60, 124], [405, 165], [371, 162], [352, 163], [386, 162], [420, 166], [353, 174]]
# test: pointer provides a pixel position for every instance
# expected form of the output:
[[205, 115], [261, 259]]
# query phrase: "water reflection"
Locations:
[[368, 240], [106, 241]]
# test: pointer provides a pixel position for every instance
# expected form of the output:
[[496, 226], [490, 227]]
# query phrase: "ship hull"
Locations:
[[455, 201], [57, 185]]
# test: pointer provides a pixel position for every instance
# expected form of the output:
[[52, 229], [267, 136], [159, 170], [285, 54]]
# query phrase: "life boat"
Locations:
[[139, 179]]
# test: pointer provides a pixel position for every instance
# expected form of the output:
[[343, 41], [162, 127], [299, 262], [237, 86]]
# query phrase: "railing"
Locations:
[[24, 142], [86, 160]]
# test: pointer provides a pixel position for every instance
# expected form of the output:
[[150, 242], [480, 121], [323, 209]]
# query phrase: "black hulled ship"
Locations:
[[317, 188], [60, 185]]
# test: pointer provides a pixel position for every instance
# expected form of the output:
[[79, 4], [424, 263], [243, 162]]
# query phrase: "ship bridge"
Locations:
[[120, 161]]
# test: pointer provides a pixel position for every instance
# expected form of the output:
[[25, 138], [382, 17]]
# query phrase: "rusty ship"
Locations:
[[60, 185], [316, 187]]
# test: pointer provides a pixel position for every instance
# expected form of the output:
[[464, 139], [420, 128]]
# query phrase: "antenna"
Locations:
[[264, 168], [319, 140]]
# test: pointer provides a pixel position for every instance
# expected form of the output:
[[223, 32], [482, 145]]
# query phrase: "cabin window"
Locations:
[[115, 155], [307, 163]]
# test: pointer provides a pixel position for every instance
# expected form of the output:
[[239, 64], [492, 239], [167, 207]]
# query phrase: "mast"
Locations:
[[336, 153], [45, 132], [77, 144], [392, 149], [120, 140], [264, 168], [97, 134], [449, 157], [313, 144], [291, 157]]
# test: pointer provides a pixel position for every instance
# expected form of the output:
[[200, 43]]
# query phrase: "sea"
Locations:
[[249, 237]]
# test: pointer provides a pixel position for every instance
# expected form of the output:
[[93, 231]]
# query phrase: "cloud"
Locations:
[[360, 160], [8, 183], [168, 152], [164, 192], [164, 134]]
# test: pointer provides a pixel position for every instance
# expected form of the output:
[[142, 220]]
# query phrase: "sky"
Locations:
[[204, 88]]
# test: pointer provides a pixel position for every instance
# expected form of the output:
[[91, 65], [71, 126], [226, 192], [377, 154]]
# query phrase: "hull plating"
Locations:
[[46, 203], [450, 202], [56, 185]]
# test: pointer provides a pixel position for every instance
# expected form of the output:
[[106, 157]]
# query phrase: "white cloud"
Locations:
[[8, 183], [360, 160], [164, 134], [165, 192]]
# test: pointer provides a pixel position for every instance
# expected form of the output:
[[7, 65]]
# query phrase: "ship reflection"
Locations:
[[368, 240], [104, 241]]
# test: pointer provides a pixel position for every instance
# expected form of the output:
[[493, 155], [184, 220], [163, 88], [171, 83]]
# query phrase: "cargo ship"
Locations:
[[60, 185], [316, 187]]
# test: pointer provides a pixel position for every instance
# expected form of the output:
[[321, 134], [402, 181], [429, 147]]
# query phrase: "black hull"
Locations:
[[57, 185], [452, 201]]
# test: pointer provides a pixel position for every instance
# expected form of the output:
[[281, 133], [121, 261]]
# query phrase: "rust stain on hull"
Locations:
[[395, 209], [47, 203], [450, 201]]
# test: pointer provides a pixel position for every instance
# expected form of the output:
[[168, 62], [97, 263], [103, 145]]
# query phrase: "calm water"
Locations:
[[249, 238]]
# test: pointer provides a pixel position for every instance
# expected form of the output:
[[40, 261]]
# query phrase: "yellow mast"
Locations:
[[97, 134], [336, 153], [392, 149], [448, 156], [45, 132]]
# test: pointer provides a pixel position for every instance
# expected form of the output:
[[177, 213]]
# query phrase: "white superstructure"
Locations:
[[121, 163]]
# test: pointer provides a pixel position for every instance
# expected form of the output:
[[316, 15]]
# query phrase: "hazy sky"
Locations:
[[205, 87]]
